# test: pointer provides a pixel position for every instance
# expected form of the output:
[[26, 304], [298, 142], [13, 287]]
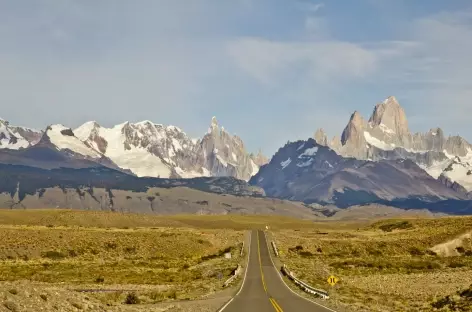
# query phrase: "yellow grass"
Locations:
[[96, 250], [380, 270]]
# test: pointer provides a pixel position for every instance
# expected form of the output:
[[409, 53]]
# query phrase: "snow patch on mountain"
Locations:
[[63, 138], [14, 137], [9, 140], [285, 163], [460, 170], [301, 146], [378, 143], [305, 163], [309, 152]]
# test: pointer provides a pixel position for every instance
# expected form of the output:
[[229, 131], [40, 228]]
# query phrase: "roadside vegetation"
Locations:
[[388, 265], [146, 259]]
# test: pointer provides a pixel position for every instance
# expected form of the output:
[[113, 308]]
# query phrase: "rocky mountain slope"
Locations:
[[386, 135], [309, 172], [13, 137], [19, 183], [144, 149]]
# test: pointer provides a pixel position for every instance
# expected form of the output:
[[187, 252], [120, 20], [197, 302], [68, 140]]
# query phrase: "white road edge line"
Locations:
[[282, 279], [245, 273]]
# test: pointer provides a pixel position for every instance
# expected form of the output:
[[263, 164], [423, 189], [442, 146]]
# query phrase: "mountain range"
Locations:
[[386, 135], [143, 149], [375, 161]]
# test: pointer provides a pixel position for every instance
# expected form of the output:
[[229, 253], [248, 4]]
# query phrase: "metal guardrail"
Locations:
[[304, 286], [276, 252], [232, 278]]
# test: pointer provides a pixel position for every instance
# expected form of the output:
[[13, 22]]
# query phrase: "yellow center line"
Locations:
[[272, 300], [260, 262], [276, 305]]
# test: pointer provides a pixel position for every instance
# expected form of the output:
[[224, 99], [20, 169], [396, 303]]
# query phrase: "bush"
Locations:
[[54, 255], [12, 306], [422, 265], [415, 251], [374, 252], [132, 298], [305, 254], [402, 225], [111, 245], [460, 249], [456, 264], [100, 279], [77, 305]]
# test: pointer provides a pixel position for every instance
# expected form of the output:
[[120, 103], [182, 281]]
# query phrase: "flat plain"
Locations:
[[131, 258], [75, 260]]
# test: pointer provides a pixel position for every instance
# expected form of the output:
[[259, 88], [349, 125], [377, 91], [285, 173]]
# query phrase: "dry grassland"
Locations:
[[161, 259], [385, 266]]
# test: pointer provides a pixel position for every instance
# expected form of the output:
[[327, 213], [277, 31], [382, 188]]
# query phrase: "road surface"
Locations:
[[263, 290]]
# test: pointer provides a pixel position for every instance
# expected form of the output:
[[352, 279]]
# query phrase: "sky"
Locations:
[[269, 70]]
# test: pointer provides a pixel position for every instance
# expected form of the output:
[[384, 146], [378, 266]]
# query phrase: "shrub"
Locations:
[[77, 305], [12, 306], [456, 264], [305, 254], [44, 297], [100, 279], [460, 249], [111, 245], [130, 249], [415, 251], [132, 298], [402, 225], [374, 252], [54, 255], [171, 294]]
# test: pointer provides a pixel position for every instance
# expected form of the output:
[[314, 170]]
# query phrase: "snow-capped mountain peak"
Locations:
[[14, 137], [144, 148], [150, 149], [63, 138], [386, 135]]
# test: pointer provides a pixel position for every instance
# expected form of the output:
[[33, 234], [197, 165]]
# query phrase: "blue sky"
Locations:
[[270, 70]]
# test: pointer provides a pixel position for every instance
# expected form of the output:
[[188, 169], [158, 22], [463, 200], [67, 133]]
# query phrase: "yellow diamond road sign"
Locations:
[[332, 280]]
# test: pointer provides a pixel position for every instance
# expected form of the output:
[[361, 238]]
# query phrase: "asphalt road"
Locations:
[[263, 289]]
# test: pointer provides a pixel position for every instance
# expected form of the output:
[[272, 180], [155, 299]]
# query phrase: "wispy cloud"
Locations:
[[272, 62], [315, 7]]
